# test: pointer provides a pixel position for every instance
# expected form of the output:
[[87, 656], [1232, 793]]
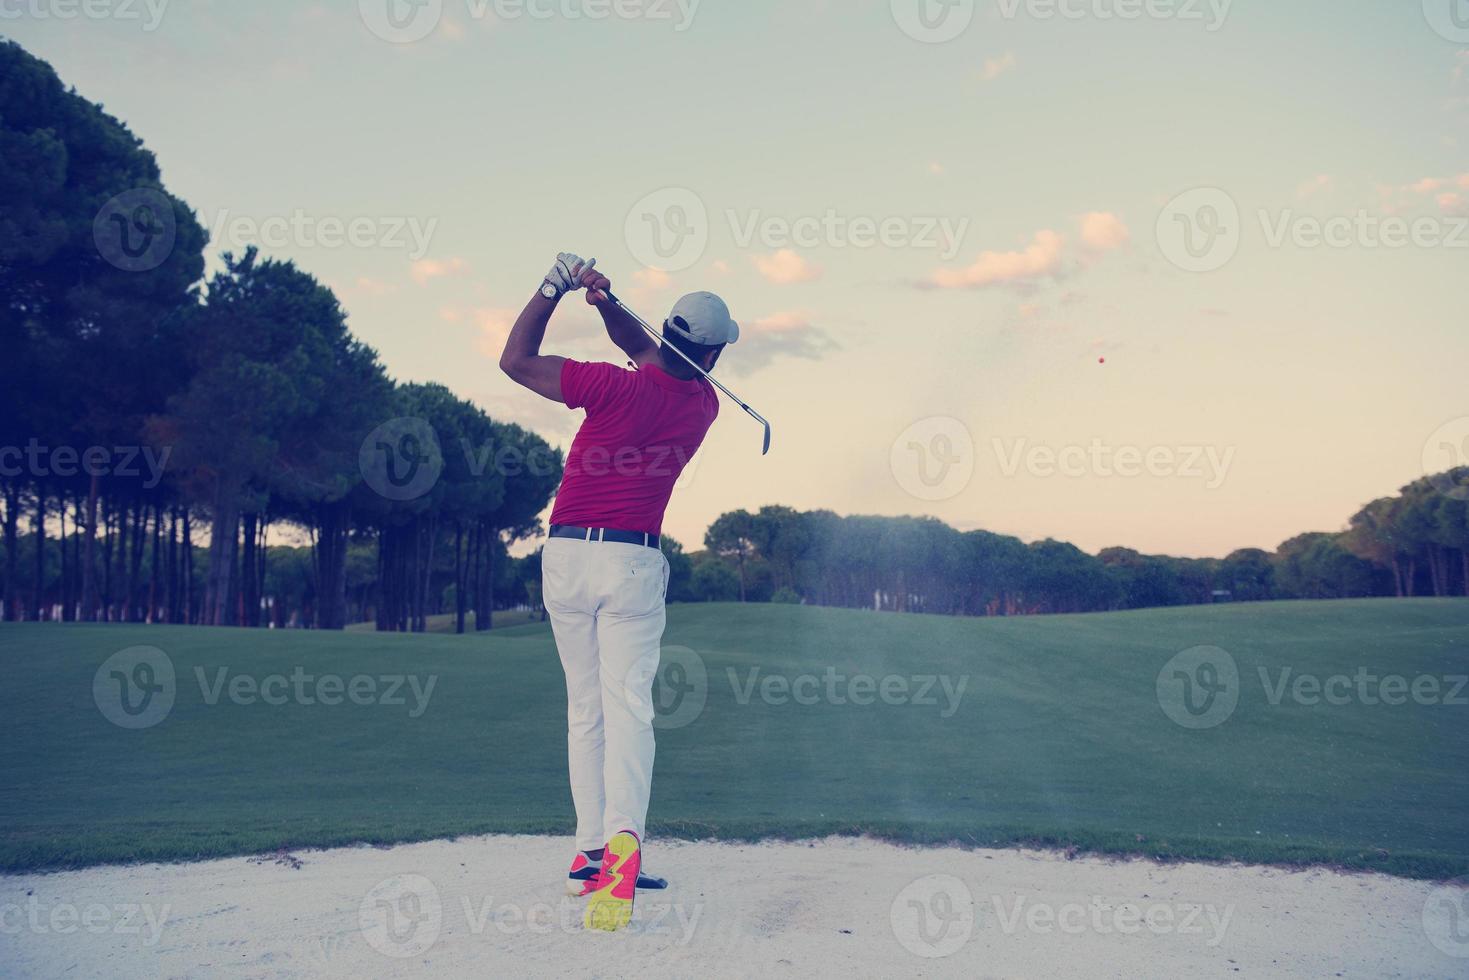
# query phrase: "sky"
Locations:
[[1181, 275]]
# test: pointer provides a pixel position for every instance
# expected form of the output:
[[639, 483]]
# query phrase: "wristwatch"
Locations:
[[549, 290]]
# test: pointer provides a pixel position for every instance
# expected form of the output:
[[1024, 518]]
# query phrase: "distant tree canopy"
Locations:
[[138, 404], [1415, 543]]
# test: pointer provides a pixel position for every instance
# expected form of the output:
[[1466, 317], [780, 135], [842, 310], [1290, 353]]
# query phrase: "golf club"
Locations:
[[737, 399]]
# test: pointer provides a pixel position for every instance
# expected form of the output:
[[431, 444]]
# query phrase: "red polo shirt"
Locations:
[[642, 428]]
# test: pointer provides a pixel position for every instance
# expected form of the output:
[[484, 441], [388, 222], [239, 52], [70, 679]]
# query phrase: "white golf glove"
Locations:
[[565, 276]]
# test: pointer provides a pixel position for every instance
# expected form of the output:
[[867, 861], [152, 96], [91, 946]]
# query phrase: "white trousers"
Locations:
[[605, 601]]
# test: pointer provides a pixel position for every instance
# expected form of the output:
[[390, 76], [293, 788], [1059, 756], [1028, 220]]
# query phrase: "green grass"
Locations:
[[1058, 739], [444, 623]]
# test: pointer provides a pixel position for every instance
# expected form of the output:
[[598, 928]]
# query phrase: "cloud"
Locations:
[[492, 326], [1102, 231], [1428, 185], [995, 67], [371, 287], [1451, 203], [936, 168], [1041, 260], [786, 266], [721, 267], [652, 279], [1316, 185], [426, 270], [783, 334]]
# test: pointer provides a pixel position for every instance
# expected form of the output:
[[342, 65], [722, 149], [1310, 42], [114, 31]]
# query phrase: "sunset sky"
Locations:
[[932, 246]]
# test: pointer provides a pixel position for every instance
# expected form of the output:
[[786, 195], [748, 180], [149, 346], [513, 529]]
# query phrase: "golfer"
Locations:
[[604, 577]]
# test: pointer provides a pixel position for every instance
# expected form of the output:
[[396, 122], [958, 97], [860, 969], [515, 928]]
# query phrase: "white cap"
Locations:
[[704, 319]]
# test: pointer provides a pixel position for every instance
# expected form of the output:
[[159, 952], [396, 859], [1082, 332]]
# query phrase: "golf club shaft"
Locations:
[[657, 337]]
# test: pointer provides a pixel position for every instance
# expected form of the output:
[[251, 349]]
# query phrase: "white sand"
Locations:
[[490, 907]]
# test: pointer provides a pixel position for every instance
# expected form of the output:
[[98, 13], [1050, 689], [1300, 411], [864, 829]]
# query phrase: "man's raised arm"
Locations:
[[522, 359]]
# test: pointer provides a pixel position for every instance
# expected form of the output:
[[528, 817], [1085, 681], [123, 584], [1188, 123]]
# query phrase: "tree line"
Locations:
[[155, 429], [1414, 543]]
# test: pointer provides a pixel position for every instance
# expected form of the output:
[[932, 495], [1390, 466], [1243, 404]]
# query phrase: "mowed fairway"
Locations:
[[1058, 737]]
